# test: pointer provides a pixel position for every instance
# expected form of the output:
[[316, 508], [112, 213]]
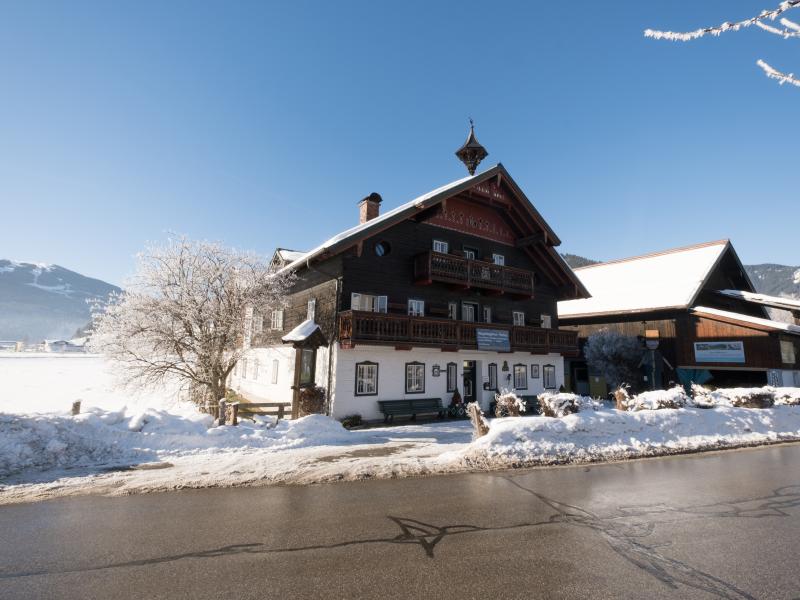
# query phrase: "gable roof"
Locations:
[[352, 236], [760, 323], [671, 279]]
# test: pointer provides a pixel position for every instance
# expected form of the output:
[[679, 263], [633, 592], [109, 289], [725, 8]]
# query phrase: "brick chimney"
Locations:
[[369, 207]]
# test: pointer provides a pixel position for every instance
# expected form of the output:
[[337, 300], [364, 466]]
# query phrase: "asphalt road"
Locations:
[[720, 525]]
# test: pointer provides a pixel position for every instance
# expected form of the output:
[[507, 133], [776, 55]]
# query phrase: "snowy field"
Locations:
[[125, 442]]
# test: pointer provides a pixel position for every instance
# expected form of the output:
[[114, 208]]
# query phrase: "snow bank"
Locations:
[[762, 397], [612, 434], [107, 438]]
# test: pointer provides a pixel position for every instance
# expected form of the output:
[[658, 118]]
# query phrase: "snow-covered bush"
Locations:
[[508, 404], [564, 403], [654, 400], [763, 397], [558, 405], [613, 355], [785, 396]]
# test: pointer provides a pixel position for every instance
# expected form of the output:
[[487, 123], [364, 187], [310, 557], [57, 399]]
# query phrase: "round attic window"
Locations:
[[382, 248]]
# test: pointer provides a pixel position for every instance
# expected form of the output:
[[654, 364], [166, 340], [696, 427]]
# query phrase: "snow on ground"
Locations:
[[130, 443]]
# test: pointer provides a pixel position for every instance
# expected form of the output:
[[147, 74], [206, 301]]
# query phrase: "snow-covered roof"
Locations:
[[768, 323], [772, 301], [289, 255], [416, 204], [662, 280], [302, 332]]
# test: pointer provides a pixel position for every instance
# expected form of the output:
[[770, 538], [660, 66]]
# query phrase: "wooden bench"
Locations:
[[251, 409], [531, 405], [411, 408]]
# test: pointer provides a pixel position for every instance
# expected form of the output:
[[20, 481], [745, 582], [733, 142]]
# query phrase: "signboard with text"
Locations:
[[719, 352], [493, 339]]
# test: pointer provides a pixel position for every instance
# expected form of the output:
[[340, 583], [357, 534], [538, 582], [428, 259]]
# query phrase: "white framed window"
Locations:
[[255, 369], [469, 253], [416, 308], [452, 310], [258, 322], [487, 314], [244, 368], [366, 379], [441, 246], [549, 377], [519, 318], [787, 352], [275, 365], [499, 259], [369, 303], [415, 378], [468, 311], [452, 377], [547, 321], [520, 377], [311, 310], [276, 320], [493, 376]]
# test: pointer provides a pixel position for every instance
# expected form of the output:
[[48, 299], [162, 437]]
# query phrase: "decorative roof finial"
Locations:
[[471, 153]]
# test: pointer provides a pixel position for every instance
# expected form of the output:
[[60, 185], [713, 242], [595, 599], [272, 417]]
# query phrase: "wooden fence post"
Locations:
[[76, 407], [234, 419], [223, 410]]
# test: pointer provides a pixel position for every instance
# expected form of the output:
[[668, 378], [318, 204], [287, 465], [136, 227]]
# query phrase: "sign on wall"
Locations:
[[474, 219], [719, 352], [493, 339]]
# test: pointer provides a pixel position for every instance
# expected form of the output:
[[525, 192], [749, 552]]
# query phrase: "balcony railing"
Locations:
[[434, 266], [360, 327]]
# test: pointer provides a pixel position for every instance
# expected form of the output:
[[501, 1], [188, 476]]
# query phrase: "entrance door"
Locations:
[[470, 378]]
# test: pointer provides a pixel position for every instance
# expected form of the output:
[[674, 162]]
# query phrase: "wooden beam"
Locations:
[[530, 240]]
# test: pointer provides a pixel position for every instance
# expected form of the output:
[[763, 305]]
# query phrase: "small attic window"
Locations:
[[382, 248]]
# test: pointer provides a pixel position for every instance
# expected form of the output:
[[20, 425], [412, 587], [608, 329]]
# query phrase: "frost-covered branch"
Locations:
[[686, 36], [773, 73], [186, 312], [790, 30]]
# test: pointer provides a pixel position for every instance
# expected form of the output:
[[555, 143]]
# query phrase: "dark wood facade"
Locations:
[[397, 260]]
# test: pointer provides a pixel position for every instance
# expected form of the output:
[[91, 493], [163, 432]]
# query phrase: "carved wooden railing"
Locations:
[[360, 327], [445, 268]]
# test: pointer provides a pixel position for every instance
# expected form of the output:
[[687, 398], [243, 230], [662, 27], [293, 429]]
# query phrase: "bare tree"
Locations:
[[790, 29], [615, 356], [187, 314]]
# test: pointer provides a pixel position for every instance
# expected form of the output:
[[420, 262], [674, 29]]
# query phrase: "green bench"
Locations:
[[411, 408], [531, 405]]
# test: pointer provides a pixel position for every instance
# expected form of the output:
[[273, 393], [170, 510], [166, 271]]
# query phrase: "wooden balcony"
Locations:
[[370, 328], [465, 273]]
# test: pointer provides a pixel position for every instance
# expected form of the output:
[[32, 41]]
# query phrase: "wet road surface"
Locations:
[[718, 525]]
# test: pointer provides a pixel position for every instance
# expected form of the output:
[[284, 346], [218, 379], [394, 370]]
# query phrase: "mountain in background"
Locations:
[[575, 261], [775, 280], [40, 302]]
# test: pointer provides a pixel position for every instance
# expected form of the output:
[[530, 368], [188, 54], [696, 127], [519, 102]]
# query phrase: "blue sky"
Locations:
[[262, 125]]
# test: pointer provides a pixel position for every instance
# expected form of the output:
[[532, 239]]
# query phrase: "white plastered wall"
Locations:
[[391, 375], [261, 388]]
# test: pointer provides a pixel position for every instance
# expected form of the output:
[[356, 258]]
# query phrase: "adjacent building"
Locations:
[[696, 310], [455, 290]]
